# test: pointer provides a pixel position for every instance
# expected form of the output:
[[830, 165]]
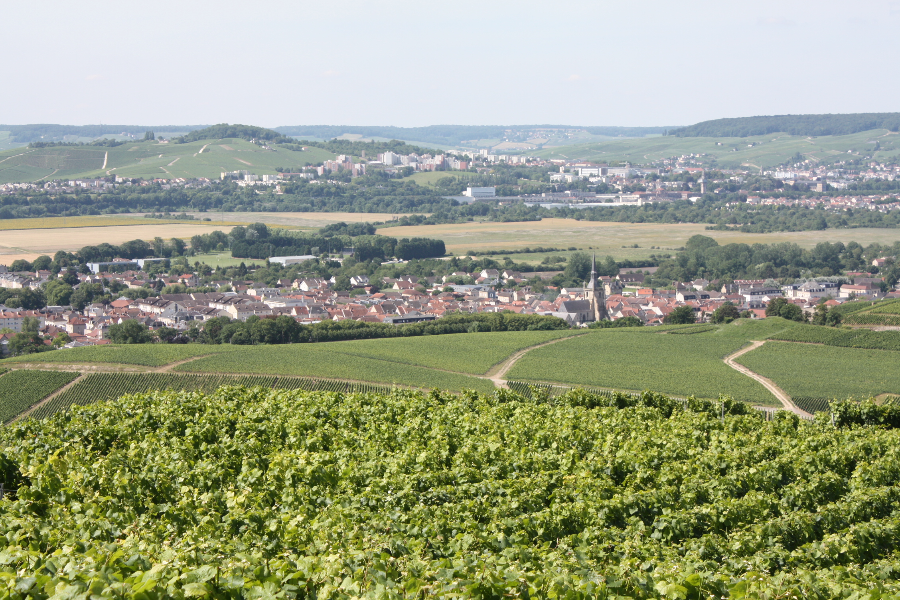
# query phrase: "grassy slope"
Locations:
[[825, 371], [152, 160], [769, 150]]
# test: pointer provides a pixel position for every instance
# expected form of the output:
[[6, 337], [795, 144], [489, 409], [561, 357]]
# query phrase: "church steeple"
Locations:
[[592, 283], [595, 293]]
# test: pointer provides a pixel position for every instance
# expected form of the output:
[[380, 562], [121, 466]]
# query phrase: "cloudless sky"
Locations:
[[412, 62]]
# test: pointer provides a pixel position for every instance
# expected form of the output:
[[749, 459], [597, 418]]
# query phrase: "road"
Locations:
[[779, 393]]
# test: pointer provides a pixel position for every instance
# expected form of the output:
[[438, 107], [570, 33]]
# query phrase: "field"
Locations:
[[259, 493], [224, 259], [90, 221], [34, 242], [680, 365], [432, 177], [609, 238], [151, 160], [760, 151], [300, 220], [825, 371], [20, 390]]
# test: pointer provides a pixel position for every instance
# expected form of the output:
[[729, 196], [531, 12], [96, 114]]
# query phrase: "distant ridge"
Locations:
[[24, 134], [840, 124], [451, 135]]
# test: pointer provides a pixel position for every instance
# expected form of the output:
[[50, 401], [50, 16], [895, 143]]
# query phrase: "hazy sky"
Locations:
[[411, 63]]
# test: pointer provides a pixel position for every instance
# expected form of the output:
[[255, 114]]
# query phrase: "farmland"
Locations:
[[825, 371], [148, 355], [98, 387], [847, 338], [609, 238], [323, 360], [244, 493], [681, 365], [885, 313], [20, 390], [152, 160]]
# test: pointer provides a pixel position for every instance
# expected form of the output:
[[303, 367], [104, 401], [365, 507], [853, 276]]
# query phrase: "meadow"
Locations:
[[85, 221], [825, 371]]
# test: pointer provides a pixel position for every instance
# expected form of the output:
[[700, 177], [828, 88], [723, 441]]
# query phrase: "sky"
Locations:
[[415, 63]]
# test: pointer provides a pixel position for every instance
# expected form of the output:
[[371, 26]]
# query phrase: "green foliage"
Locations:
[[623, 322], [812, 405], [885, 312], [867, 413], [20, 390], [823, 371], [680, 316], [808, 125], [259, 493], [224, 131], [726, 313], [129, 332]]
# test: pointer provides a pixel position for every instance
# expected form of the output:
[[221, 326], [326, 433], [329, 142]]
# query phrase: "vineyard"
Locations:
[[147, 355], [885, 312], [848, 338], [326, 360], [813, 405], [260, 493], [96, 387], [681, 365], [826, 371], [20, 390]]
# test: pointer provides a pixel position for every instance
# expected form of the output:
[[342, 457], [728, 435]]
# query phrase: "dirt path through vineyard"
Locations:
[[770, 385]]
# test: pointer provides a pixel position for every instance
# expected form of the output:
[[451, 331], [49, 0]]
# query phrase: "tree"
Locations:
[[780, 307], [680, 316], [26, 342], [61, 339], [31, 324], [578, 268], [57, 292], [41, 263], [165, 335], [129, 332], [726, 313]]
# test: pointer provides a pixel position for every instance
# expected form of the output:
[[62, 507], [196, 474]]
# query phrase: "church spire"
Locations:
[[593, 281]]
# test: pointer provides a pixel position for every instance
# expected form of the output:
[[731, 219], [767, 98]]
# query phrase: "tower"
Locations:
[[596, 294]]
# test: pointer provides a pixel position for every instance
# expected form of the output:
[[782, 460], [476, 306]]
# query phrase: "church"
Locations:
[[592, 308]]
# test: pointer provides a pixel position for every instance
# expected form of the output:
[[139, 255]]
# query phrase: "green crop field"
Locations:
[[885, 312], [20, 390], [758, 151], [148, 355], [432, 177], [259, 494], [152, 160], [224, 259], [97, 387], [825, 371]]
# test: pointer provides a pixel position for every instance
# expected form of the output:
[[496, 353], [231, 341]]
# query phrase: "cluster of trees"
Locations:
[[703, 257], [792, 124], [285, 330], [224, 130], [372, 149], [23, 134]]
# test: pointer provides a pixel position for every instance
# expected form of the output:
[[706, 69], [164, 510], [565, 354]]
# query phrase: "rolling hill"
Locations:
[[757, 151], [149, 160]]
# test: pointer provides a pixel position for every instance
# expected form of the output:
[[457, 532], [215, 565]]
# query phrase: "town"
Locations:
[[401, 300]]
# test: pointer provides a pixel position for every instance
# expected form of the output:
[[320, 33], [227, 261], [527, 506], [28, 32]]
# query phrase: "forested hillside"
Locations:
[[792, 124]]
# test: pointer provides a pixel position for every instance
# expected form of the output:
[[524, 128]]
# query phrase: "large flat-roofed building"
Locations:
[[480, 192], [290, 260]]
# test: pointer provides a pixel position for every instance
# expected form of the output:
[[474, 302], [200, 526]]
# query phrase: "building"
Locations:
[[290, 260], [596, 294], [480, 192]]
